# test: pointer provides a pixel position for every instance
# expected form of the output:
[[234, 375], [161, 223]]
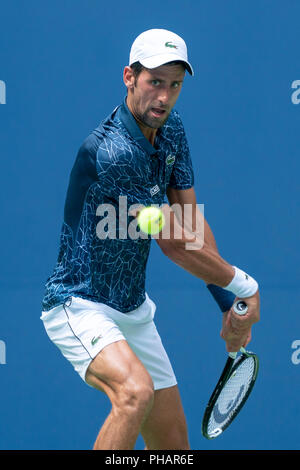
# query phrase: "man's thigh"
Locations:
[[165, 427], [114, 366]]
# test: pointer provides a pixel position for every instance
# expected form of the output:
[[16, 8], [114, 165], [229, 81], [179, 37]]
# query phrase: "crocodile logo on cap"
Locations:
[[169, 44]]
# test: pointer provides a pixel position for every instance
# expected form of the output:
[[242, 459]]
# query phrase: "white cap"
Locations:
[[157, 47]]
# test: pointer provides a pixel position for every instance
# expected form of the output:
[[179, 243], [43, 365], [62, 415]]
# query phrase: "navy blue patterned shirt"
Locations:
[[115, 164]]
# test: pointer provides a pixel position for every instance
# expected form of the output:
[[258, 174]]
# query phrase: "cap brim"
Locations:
[[158, 60]]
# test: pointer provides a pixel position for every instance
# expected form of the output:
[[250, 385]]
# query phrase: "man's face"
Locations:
[[154, 94]]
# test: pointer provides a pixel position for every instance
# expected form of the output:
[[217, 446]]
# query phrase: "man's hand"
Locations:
[[236, 329]]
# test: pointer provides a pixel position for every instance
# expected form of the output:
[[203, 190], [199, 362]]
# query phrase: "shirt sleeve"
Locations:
[[82, 176], [182, 176]]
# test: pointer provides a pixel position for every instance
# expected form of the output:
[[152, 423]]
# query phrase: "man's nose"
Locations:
[[163, 97]]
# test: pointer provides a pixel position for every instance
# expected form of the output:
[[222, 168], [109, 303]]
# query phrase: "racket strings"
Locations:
[[232, 395]]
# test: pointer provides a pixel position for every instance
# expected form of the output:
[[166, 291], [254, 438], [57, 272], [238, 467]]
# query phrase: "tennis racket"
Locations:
[[233, 388]]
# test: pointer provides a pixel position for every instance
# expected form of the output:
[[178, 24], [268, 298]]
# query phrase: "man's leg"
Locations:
[[118, 372], [165, 426]]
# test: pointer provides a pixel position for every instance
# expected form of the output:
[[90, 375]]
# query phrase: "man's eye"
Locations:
[[157, 82]]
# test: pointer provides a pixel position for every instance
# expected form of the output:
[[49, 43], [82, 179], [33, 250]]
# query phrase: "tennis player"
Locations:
[[95, 308]]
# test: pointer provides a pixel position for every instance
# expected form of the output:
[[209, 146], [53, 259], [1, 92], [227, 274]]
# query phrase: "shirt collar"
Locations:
[[131, 125]]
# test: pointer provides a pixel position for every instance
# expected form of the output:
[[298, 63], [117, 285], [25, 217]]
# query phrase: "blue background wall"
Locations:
[[62, 64]]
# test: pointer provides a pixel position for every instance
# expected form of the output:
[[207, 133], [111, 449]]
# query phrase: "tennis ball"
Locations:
[[151, 220]]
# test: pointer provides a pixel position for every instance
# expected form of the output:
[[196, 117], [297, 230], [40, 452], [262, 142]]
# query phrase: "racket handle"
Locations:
[[240, 307]]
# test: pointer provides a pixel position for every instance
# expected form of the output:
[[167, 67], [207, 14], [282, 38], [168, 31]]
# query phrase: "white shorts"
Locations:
[[81, 328]]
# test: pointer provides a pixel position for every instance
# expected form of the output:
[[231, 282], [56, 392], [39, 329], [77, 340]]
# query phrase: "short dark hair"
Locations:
[[137, 67]]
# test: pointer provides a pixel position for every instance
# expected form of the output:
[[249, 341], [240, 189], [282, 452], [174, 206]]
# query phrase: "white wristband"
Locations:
[[242, 285]]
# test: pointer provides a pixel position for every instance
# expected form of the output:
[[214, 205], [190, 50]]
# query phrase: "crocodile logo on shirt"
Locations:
[[169, 44], [170, 159]]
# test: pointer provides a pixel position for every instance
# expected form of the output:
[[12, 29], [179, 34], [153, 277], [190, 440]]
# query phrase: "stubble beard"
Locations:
[[153, 123]]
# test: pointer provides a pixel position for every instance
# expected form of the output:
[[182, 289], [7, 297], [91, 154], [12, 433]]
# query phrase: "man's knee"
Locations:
[[134, 396]]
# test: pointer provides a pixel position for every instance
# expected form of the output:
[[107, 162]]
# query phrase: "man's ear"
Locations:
[[128, 77]]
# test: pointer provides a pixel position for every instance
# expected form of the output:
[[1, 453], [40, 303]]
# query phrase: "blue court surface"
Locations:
[[61, 66]]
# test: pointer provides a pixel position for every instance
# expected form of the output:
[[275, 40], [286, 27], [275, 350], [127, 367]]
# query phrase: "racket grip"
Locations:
[[240, 307]]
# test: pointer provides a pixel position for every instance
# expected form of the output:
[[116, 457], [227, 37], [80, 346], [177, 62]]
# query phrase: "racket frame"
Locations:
[[228, 370]]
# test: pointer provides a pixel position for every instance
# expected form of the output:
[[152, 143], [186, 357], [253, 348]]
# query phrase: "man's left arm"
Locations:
[[236, 331], [188, 196]]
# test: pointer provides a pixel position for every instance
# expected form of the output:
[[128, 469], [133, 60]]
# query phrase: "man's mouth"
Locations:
[[158, 112]]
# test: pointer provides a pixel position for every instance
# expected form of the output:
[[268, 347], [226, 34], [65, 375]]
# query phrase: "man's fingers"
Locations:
[[234, 339], [235, 334]]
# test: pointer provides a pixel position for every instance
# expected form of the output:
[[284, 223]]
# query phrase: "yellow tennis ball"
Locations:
[[151, 220]]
